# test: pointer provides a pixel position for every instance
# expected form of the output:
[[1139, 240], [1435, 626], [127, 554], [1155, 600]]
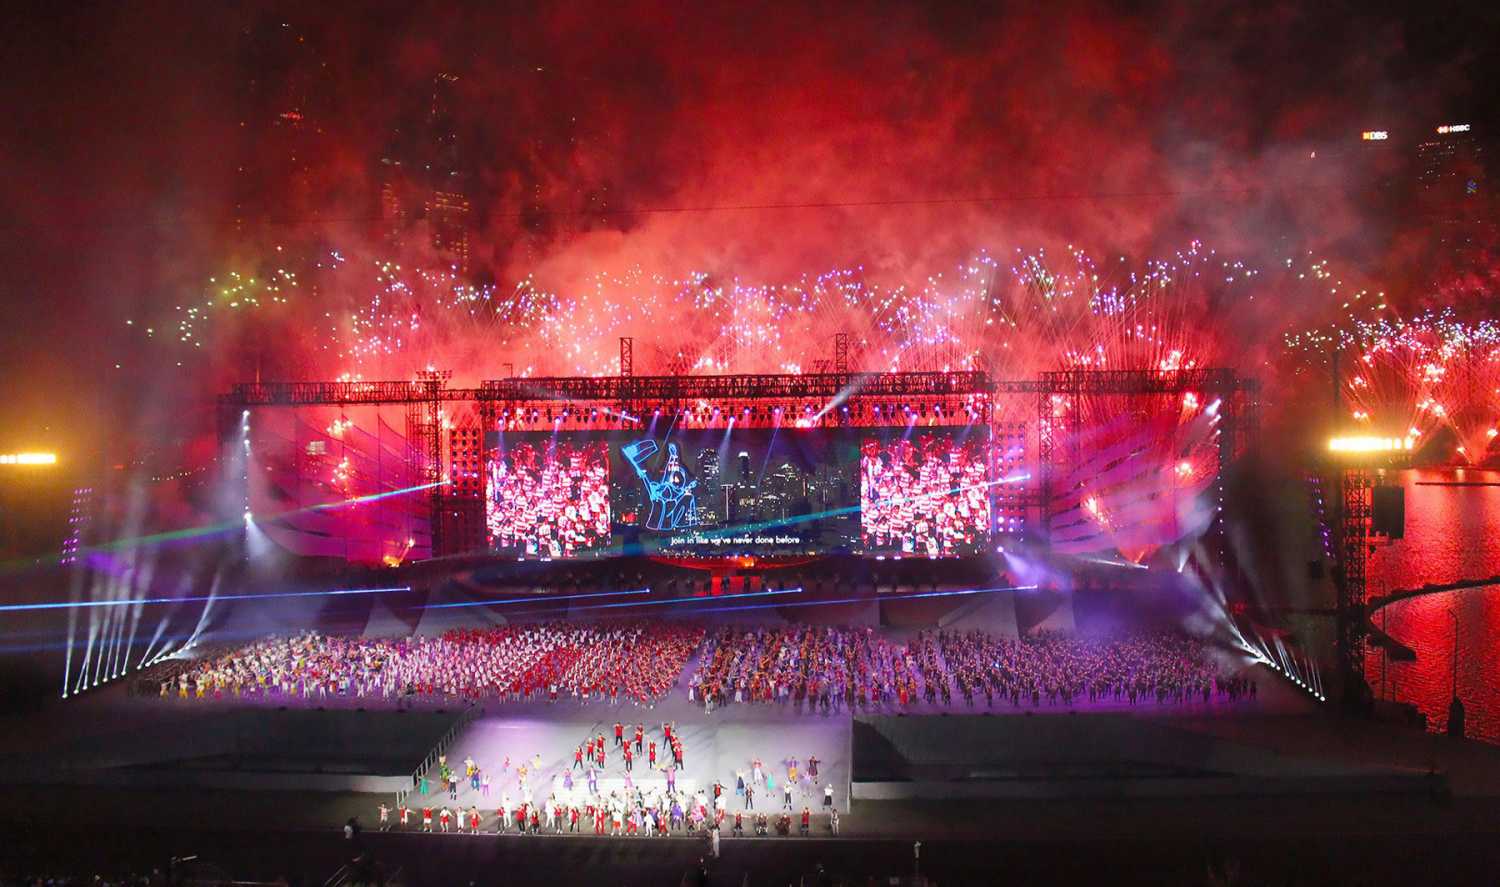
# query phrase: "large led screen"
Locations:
[[925, 493], [917, 493], [758, 491], [547, 496]]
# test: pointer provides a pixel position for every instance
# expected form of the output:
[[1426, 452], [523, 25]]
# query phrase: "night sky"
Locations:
[[598, 137]]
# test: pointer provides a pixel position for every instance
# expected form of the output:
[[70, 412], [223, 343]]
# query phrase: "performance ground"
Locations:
[[82, 819], [131, 781], [714, 749]]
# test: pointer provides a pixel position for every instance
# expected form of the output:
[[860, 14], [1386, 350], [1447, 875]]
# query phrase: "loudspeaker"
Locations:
[[1314, 570], [1388, 511]]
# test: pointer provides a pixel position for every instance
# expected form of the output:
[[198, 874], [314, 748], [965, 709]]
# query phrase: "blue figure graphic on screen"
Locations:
[[673, 505]]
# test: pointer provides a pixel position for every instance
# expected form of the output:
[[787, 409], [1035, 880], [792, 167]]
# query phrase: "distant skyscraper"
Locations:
[[283, 103], [1430, 184], [395, 210], [708, 466], [1449, 164], [448, 220], [442, 129], [424, 176]]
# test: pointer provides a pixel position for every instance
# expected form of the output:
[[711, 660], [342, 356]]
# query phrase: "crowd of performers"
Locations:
[[820, 667], [639, 662], [803, 664], [634, 661], [479, 800], [924, 496], [1063, 669]]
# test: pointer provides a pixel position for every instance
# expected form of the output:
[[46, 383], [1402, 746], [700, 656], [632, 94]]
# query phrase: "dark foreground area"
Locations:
[[1368, 840]]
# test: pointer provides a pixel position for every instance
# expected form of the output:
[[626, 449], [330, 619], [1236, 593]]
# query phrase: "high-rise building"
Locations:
[[395, 210], [1435, 166], [424, 175], [448, 223], [1431, 184], [711, 498], [283, 103], [1449, 166], [708, 465], [44, 509], [442, 129]]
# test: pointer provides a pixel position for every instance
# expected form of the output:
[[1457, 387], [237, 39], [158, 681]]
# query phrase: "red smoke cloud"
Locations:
[[756, 144]]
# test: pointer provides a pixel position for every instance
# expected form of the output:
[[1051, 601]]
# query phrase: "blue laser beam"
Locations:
[[861, 600], [226, 527], [543, 610], [543, 602], [72, 605], [531, 600], [689, 600]]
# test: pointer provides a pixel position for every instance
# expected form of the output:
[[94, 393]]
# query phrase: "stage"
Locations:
[[1261, 761], [1060, 837], [714, 748], [1101, 749]]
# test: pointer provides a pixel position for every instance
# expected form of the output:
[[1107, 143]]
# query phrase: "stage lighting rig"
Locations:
[[1366, 509]]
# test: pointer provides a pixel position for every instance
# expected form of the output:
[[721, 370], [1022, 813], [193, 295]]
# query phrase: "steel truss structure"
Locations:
[[638, 391], [969, 395], [1354, 512]]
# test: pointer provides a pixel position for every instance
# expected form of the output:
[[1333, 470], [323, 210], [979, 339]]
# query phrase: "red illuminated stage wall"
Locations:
[[1143, 472], [337, 483]]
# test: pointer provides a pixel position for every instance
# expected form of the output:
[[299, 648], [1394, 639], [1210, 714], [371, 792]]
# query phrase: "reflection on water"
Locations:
[[1452, 533]]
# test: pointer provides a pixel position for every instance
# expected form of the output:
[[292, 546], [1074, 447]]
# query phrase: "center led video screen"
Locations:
[[758, 491], [883, 492]]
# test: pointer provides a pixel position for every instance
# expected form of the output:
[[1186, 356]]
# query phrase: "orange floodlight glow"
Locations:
[[1370, 444], [28, 458]]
